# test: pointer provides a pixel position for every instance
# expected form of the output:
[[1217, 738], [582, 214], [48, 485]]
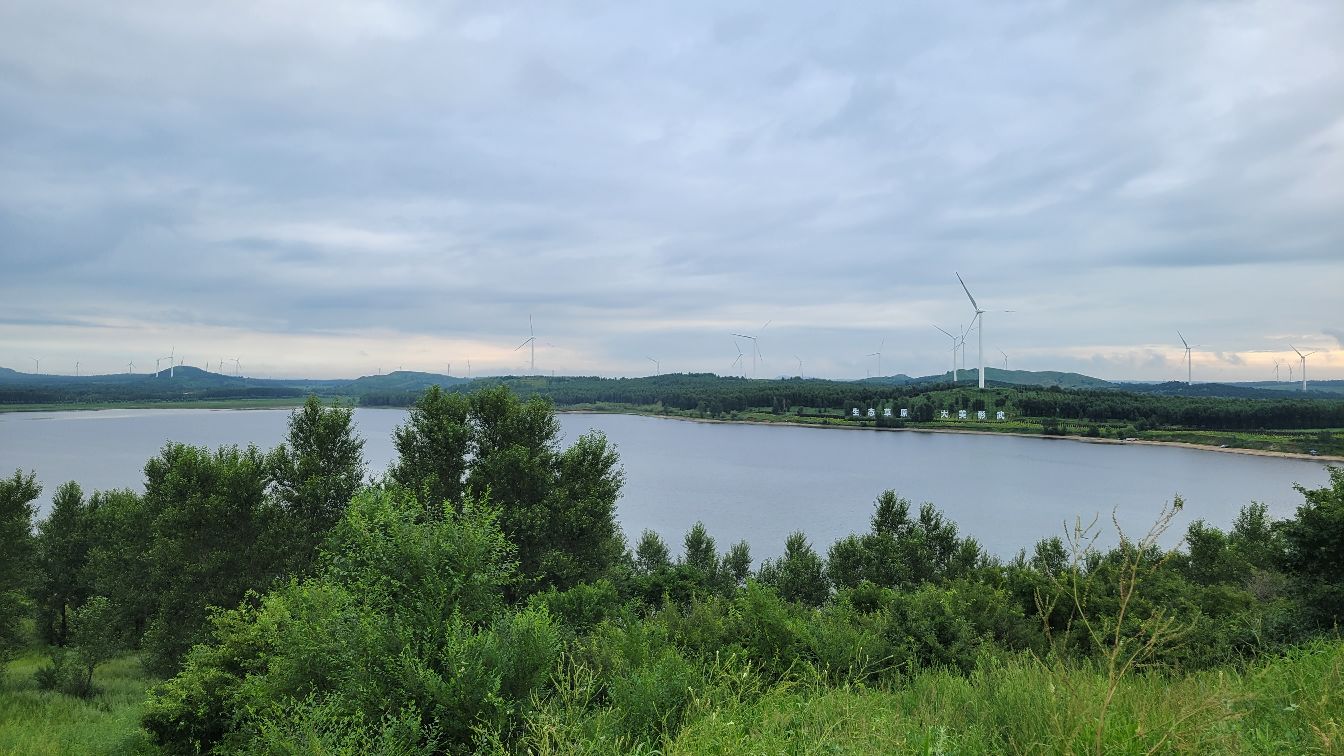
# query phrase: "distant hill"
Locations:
[[1001, 377]]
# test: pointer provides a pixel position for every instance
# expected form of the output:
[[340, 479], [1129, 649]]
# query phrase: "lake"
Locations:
[[752, 482]]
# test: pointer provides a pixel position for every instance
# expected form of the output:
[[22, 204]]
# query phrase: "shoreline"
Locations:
[[1323, 458], [283, 404]]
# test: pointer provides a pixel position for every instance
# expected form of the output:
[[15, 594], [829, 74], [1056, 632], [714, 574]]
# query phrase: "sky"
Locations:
[[336, 188]]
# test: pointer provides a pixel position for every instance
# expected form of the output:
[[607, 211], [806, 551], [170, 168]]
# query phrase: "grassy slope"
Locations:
[[36, 722], [1017, 705], [1293, 704]]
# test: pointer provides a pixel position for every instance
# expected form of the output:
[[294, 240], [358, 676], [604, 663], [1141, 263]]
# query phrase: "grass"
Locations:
[[36, 722], [1288, 705]]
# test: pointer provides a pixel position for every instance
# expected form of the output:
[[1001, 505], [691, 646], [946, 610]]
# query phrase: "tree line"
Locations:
[[456, 601]]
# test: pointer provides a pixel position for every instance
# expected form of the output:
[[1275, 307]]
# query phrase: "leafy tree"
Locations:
[[16, 554], [208, 510], [120, 526], [1314, 555], [63, 542], [93, 640], [800, 574], [652, 553], [902, 551], [433, 447], [404, 621], [737, 563], [314, 474], [699, 551]]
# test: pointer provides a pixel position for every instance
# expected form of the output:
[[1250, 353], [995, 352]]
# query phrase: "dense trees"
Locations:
[[17, 494], [558, 507]]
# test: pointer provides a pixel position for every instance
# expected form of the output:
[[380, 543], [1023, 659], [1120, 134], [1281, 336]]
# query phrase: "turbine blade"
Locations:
[[950, 336], [968, 293], [1183, 341]]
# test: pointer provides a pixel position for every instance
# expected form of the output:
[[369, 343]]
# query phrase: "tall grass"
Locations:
[[36, 722], [1007, 704]]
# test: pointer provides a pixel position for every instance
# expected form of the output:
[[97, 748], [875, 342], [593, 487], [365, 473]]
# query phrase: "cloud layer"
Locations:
[[334, 187]]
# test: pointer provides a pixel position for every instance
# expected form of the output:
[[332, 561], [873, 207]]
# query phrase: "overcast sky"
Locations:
[[329, 188]]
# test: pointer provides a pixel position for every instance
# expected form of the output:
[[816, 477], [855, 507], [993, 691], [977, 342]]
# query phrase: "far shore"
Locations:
[[968, 431], [289, 404]]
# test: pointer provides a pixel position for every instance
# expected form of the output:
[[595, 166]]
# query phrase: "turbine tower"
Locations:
[[532, 340], [37, 365], [1276, 371], [979, 315], [1304, 365], [954, 353], [76, 368], [172, 353]]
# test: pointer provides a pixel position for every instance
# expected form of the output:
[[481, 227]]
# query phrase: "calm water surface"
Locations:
[[757, 483]]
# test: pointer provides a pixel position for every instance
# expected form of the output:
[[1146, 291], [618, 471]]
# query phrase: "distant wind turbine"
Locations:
[[76, 368], [157, 361], [1276, 371], [37, 365], [737, 363], [1189, 380], [800, 365], [130, 367], [954, 353], [878, 355], [657, 369], [238, 367], [531, 339], [1005, 359], [1304, 365], [755, 346]]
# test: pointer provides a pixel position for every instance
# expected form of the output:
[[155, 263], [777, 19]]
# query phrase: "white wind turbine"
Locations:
[[76, 368], [755, 346], [1189, 381], [531, 339], [954, 353], [37, 365], [1304, 365], [980, 317], [800, 365], [878, 355], [1276, 371], [130, 367], [657, 368], [1005, 360], [737, 363], [238, 367], [157, 361], [172, 354]]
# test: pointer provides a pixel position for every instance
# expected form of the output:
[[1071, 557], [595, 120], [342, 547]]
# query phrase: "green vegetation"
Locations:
[[481, 598]]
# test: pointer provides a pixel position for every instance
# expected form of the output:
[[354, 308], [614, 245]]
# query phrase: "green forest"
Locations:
[[479, 596]]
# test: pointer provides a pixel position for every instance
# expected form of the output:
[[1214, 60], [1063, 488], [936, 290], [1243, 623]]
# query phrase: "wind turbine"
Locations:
[[1276, 371], [878, 354], [531, 339], [157, 360], [1290, 372], [1304, 365], [1005, 360], [76, 368], [954, 353], [755, 346], [800, 365], [37, 365], [130, 367], [1188, 374], [979, 316], [737, 363], [172, 353], [238, 367], [657, 369]]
